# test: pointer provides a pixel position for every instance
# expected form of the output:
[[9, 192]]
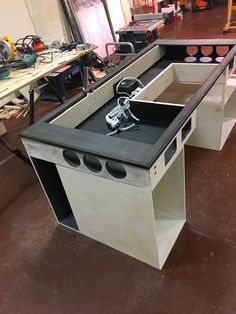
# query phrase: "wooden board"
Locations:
[[20, 78], [3, 129]]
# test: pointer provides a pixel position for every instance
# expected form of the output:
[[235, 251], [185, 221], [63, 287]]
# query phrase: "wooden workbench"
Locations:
[[19, 79]]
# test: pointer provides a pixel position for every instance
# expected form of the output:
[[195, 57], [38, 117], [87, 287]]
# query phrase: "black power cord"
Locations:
[[16, 151]]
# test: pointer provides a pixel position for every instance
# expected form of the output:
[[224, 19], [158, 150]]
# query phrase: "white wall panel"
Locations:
[[116, 15], [126, 10], [15, 20], [48, 19]]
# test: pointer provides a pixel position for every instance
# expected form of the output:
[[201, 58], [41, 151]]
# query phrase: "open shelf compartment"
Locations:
[[179, 82]]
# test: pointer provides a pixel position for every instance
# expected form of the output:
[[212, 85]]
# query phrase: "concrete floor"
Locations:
[[48, 269]]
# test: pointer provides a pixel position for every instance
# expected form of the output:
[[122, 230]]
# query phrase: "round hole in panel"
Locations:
[[219, 59], [191, 52], [222, 50], [116, 169], [206, 50], [71, 158], [205, 59], [190, 59], [92, 163]]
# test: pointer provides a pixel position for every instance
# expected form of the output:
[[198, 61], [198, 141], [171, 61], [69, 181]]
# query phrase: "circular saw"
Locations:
[[5, 49], [5, 53]]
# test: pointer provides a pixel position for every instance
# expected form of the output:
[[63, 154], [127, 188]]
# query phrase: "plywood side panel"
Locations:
[[154, 88], [113, 213], [197, 73]]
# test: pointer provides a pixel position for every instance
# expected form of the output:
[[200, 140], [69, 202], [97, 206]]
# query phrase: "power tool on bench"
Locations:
[[5, 52]]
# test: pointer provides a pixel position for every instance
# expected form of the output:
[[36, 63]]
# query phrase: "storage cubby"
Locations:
[[216, 114], [143, 222], [169, 207]]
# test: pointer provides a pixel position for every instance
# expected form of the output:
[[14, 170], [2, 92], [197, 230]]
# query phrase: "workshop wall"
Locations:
[[126, 10], [116, 14], [45, 18], [48, 19], [15, 20]]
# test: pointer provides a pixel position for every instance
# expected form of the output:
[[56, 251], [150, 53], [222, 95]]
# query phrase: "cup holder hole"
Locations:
[[206, 50], [192, 50], [92, 163], [222, 50], [116, 169], [71, 158]]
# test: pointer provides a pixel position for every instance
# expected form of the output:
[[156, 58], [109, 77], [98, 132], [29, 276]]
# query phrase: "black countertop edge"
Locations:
[[192, 42], [107, 147]]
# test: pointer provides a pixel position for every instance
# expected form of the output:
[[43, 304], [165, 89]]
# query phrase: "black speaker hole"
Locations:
[[71, 158], [92, 163]]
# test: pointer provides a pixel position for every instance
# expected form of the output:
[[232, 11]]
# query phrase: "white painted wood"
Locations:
[[159, 168], [217, 111], [7, 100], [134, 216], [229, 88], [139, 222], [230, 106], [216, 115], [154, 88], [189, 75], [142, 214], [83, 109], [169, 207], [115, 214], [208, 128], [227, 126], [26, 143], [194, 72], [135, 176]]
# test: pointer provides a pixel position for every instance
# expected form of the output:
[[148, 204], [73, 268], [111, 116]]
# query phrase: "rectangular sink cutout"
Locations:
[[178, 92], [170, 151], [186, 129]]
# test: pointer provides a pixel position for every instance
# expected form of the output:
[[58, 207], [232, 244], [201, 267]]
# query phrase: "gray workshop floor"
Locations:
[[47, 269]]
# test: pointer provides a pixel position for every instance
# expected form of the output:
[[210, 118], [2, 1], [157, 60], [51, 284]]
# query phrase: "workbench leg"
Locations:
[[229, 16], [92, 75], [31, 111], [54, 90], [86, 75]]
